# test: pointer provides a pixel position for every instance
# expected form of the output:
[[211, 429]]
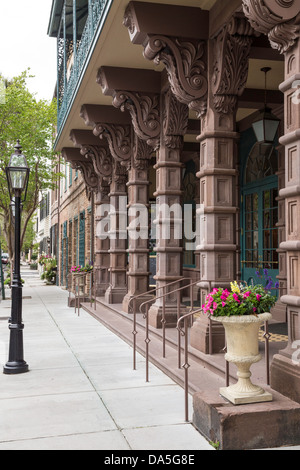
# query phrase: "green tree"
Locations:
[[33, 122]]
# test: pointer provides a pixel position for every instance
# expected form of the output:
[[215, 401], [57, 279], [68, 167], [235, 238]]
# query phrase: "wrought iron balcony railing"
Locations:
[[75, 43]]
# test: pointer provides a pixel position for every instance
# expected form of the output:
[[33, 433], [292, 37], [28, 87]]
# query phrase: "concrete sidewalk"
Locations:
[[81, 392]]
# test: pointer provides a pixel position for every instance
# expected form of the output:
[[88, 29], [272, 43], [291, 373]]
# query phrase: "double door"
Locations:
[[259, 233]]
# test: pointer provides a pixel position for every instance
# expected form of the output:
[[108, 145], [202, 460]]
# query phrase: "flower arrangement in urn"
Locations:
[[81, 269], [241, 300], [242, 310]]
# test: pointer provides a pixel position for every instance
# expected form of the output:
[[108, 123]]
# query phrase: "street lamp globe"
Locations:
[[17, 172]]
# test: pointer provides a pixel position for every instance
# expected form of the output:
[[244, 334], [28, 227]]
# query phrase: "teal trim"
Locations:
[[81, 254], [258, 218], [70, 175]]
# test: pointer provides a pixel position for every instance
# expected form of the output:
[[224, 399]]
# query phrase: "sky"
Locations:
[[24, 43]]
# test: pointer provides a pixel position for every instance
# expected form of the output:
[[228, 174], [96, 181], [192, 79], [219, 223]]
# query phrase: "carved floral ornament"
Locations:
[[175, 120], [230, 71], [118, 138], [185, 62], [90, 178], [145, 114], [142, 153], [186, 67], [278, 19], [100, 158]]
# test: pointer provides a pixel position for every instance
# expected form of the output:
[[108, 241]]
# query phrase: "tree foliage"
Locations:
[[33, 122]]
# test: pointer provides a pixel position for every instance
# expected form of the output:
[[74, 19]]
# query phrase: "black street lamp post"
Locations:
[[17, 174]]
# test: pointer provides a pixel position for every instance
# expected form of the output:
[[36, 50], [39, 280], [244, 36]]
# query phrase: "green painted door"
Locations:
[[259, 217], [81, 254], [259, 232]]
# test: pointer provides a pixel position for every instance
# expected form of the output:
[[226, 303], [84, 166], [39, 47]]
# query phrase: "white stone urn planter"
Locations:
[[241, 332], [80, 280]]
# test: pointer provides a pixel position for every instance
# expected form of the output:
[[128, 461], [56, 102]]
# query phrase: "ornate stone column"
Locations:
[[187, 86], [228, 55], [280, 20], [101, 159], [119, 141], [102, 255], [118, 235], [138, 227], [144, 111], [114, 128], [168, 206]]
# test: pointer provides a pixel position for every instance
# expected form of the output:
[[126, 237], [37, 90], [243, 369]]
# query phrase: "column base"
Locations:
[[285, 376], [114, 295], [200, 336], [128, 303], [171, 316]]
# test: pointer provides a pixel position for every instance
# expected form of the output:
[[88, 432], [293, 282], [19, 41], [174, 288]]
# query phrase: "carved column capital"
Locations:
[[118, 138], [101, 159], [145, 114], [141, 154], [278, 19], [230, 69], [104, 186], [185, 62], [120, 173], [175, 120], [89, 175]]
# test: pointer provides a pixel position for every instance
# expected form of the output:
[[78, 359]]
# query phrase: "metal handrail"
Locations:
[[146, 316], [184, 332], [163, 321], [132, 308]]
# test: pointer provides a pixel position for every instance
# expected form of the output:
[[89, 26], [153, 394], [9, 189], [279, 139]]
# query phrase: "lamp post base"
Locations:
[[18, 367]]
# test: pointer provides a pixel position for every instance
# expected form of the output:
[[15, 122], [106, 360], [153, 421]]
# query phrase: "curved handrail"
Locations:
[[171, 292], [154, 290]]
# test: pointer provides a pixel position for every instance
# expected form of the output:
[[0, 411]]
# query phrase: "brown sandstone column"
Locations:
[[228, 55], [102, 256], [168, 206], [138, 92], [280, 21], [285, 370], [138, 228], [118, 236]]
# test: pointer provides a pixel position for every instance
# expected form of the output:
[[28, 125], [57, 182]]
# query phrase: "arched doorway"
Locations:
[[259, 215]]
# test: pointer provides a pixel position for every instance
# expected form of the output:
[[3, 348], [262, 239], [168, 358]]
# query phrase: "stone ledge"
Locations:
[[245, 427]]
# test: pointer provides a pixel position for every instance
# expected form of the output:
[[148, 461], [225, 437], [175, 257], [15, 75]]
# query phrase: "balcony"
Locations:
[[77, 25]]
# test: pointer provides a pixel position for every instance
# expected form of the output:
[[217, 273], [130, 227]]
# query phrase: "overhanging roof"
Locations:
[[115, 49], [55, 17]]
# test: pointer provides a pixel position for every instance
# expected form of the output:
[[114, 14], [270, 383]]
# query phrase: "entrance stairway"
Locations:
[[262, 425], [205, 371]]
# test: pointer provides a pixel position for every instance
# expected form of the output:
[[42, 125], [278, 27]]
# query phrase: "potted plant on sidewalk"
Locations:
[[241, 310], [80, 273]]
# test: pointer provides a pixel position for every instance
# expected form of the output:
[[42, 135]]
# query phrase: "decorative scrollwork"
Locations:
[[88, 173], [230, 71], [100, 158], [175, 120], [118, 138], [119, 172], [279, 20], [141, 153], [186, 68], [145, 114]]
